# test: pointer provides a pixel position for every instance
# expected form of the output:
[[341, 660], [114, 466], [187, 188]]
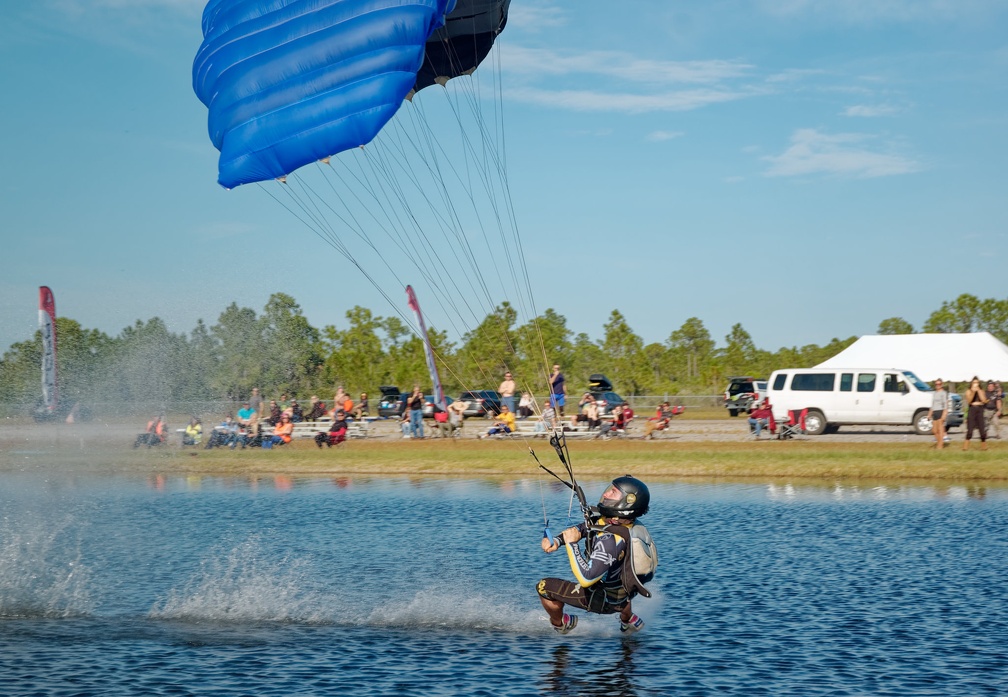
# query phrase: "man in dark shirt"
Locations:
[[559, 389]]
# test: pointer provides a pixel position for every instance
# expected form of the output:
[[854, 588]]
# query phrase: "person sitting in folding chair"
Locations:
[[762, 417], [337, 431], [795, 424]]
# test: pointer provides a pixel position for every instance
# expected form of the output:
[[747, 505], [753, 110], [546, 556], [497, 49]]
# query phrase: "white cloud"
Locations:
[[614, 64], [659, 136], [83, 7], [536, 17], [875, 11], [624, 102], [844, 154], [869, 111]]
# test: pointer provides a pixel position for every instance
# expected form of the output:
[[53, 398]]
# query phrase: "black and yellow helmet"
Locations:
[[626, 497]]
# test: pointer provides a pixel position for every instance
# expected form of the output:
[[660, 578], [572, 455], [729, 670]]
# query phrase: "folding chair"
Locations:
[[795, 424]]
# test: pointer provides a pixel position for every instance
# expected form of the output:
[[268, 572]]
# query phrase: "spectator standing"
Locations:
[[558, 387], [256, 402], [507, 391], [976, 398], [939, 409], [992, 411], [414, 405], [340, 400]]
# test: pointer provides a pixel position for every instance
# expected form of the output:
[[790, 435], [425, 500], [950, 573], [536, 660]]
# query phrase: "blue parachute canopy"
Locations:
[[289, 82]]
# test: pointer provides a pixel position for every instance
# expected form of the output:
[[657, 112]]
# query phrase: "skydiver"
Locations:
[[599, 576]]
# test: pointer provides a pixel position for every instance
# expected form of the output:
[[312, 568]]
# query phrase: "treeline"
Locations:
[[279, 351]]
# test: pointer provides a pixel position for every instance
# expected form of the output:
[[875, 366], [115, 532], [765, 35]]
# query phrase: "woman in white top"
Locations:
[[939, 409]]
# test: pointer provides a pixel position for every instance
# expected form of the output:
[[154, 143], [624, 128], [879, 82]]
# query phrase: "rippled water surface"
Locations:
[[278, 586]]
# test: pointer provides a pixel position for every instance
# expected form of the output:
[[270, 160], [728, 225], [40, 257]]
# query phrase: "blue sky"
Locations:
[[807, 168]]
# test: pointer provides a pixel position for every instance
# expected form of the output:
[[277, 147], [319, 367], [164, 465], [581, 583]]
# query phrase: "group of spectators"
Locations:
[[983, 411], [262, 423]]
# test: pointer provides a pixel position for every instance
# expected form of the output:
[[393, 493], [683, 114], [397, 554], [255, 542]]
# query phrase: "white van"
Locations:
[[845, 396]]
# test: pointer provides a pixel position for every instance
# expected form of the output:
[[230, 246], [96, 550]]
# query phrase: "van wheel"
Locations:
[[922, 423], [815, 422]]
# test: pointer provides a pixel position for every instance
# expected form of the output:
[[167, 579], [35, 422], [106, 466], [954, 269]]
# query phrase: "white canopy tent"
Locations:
[[951, 357]]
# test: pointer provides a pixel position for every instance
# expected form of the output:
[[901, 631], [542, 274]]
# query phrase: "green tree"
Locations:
[[622, 350], [489, 350], [291, 346], [740, 356], [354, 356], [967, 313], [895, 325], [542, 342], [239, 360], [691, 347]]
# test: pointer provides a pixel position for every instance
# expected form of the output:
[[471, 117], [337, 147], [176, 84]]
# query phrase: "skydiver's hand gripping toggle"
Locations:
[[552, 544]]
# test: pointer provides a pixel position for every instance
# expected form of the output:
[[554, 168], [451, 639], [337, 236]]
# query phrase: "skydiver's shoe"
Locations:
[[634, 625], [569, 622]]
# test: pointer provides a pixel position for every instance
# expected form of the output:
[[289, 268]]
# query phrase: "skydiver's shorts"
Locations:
[[592, 599]]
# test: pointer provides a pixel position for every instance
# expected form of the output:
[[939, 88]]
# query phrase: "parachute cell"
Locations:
[[464, 41], [288, 82]]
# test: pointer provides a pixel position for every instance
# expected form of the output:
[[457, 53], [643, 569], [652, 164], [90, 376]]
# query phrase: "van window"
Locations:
[[846, 382], [778, 383], [866, 382], [916, 381], [893, 384], [813, 382]]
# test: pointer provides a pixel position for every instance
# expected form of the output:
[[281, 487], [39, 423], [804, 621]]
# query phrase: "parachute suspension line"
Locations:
[[334, 244], [380, 167], [432, 163], [500, 163], [492, 195]]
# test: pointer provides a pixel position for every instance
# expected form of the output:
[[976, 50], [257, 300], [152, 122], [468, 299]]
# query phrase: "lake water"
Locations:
[[279, 586]]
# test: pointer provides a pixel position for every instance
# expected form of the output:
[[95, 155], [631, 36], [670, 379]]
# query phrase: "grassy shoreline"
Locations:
[[770, 461]]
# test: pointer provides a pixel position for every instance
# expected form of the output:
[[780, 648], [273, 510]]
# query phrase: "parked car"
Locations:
[[429, 408], [601, 389], [392, 401], [481, 403], [741, 392]]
